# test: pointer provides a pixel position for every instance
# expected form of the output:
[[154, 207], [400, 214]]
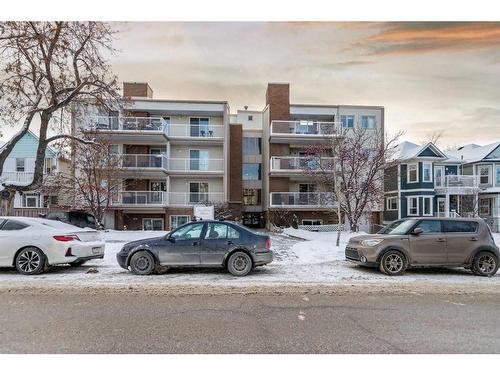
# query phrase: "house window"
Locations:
[[312, 222], [152, 224], [484, 207], [20, 164], [484, 174], [251, 197], [198, 192], [50, 165], [30, 200], [427, 206], [498, 175], [199, 127], [113, 149], [251, 146], [427, 172], [368, 122], [198, 160], [251, 171], [50, 200], [178, 220], [412, 173], [250, 117], [347, 121], [392, 203], [412, 206]]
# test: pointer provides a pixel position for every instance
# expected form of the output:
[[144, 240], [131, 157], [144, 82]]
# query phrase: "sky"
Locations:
[[430, 77]]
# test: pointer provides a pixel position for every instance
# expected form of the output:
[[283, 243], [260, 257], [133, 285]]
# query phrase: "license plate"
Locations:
[[96, 250]]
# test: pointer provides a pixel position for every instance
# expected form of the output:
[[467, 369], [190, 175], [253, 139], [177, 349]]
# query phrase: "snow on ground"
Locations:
[[301, 257]]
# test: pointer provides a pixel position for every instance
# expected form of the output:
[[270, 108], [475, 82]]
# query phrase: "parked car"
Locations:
[[427, 242], [32, 244], [80, 219], [204, 243]]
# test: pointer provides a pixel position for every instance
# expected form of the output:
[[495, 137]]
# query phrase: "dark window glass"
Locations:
[[251, 197], [251, 171], [251, 146], [459, 226], [430, 226], [13, 225]]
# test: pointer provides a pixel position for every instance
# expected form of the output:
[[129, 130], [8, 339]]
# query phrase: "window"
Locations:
[[427, 172], [152, 224], [427, 206], [392, 204], [14, 225], [20, 164], [412, 206], [113, 149], [439, 176], [251, 171], [198, 192], [216, 231], [312, 222], [198, 160], [30, 200], [250, 117], [49, 165], [412, 173], [398, 227], [251, 146], [430, 226], [188, 232], [484, 174], [251, 197], [178, 220], [484, 206], [347, 121], [199, 127], [459, 226], [368, 122], [50, 200], [232, 233], [498, 174]]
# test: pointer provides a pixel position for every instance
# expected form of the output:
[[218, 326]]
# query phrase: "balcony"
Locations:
[[21, 178], [191, 199], [457, 184], [302, 200], [144, 165], [196, 166], [300, 164], [303, 132], [197, 134], [141, 199]]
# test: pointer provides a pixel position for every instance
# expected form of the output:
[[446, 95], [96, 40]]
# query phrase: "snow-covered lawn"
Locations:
[[301, 257]]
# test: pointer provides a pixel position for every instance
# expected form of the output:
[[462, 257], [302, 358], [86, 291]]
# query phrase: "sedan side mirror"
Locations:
[[417, 231]]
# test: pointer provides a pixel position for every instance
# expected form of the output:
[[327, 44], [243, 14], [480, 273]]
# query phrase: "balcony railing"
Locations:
[[457, 184], [190, 199], [306, 200], [17, 177], [141, 198], [305, 128], [144, 161], [154, 124], [196, 165], [301, 163]]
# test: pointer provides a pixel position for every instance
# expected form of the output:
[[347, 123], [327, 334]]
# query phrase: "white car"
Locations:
[[33, 244]]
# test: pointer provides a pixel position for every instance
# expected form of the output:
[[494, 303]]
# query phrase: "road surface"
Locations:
[[295, 322]]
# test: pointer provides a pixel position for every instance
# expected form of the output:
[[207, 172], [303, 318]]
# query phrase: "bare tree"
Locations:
[[46, 66], [94, 183], [281, 217], [433, 137], [354, 171]]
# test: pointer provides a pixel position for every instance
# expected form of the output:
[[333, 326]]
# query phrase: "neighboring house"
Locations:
[[425, 181], [19, 168]]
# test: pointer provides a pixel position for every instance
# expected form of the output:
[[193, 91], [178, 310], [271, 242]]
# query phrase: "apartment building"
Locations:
[[426, 181], [174, 155], [289, 130], [19, 169]]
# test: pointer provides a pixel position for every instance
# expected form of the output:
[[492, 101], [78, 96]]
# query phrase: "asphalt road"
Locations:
[[255, 323]]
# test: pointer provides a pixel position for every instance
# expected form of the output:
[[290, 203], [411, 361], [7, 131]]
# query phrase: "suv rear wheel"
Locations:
[[393, 263], [485, 264]]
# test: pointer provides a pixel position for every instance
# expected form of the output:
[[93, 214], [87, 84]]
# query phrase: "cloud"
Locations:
[[402, 38]]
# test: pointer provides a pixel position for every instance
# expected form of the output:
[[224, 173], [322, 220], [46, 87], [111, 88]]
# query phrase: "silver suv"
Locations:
[[427, 242]]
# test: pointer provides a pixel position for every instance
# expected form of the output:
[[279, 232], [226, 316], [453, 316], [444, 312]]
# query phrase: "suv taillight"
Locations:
[[66, 238], [268, 243]]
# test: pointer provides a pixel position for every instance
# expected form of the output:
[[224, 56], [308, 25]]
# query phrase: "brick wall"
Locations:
[[137, 89], [235, 163]]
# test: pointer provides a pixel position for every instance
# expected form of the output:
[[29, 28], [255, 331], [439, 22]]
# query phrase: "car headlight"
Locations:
[[370, 243]]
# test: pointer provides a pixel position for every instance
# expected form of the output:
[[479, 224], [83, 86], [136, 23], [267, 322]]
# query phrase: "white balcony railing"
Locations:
[[305, 128], [301, 164], [153, 124], [196, 165], [298, 200], [190, 199], [141, 198], [148, 161], [457, 184], [17, 178]]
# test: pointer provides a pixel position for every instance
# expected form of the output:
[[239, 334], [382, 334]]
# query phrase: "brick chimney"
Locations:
[[278, 99], [137, 89]]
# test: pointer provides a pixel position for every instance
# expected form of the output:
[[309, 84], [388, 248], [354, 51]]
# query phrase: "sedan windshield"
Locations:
[[398, 227]]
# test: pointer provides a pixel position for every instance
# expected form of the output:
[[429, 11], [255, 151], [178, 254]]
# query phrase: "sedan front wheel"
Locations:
[[239, 264], [142, 263]]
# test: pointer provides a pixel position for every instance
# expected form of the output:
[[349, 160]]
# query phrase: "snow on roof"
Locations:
[[471, 153], [408, 150]]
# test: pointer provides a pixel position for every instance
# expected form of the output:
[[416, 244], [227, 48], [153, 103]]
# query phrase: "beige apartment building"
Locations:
[[178, 154]]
